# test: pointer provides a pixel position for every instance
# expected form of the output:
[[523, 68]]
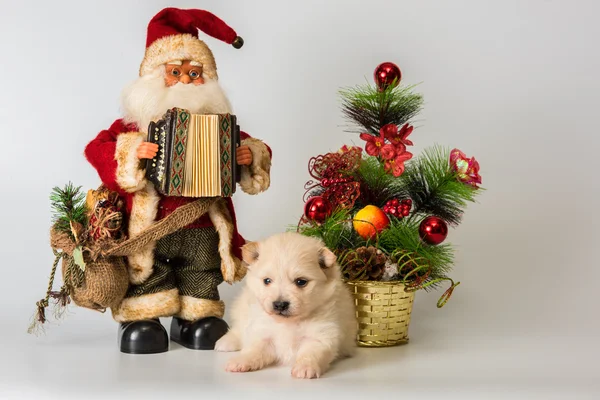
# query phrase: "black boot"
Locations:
[[198, 335], [143, 337]]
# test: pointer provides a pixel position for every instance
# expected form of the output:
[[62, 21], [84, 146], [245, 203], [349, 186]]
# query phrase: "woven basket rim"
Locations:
[[375, 283]]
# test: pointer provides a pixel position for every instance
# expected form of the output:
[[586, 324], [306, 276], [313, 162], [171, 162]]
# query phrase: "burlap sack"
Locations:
[[102, 285]]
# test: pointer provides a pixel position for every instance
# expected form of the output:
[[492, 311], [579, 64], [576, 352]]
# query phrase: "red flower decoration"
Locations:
[[388, 152], [466, 168], [347, 149], [396, 165], [374, 143], [391, 133]]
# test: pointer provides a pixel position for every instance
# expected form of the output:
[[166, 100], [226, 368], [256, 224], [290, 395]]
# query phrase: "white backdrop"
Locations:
[[513, 83]]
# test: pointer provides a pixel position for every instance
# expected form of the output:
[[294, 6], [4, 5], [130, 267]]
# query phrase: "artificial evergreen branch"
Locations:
[[403, 235], [336, 231], [377, 185], [434, 187], [68, 208], [371, 109]]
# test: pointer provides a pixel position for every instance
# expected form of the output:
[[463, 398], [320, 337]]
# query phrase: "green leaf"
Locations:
[[78, 257]]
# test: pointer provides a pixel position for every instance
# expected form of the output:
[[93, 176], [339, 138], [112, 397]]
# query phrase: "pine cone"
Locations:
[[364, 263]]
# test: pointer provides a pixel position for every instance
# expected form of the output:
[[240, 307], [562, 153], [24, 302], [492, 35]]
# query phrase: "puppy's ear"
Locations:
[[250, 252], [326, 258]]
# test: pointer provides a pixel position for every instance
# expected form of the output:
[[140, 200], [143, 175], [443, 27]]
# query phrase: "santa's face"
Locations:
[[186, 72], [177, 84]]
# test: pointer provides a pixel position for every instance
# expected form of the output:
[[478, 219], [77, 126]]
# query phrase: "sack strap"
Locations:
[[178, 219]]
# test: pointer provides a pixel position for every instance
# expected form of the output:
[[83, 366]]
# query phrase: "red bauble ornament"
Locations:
[[317, 209], [433, 230], [386, 74]]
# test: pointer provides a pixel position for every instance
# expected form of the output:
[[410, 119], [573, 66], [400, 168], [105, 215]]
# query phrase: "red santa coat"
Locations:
[[113, 154]]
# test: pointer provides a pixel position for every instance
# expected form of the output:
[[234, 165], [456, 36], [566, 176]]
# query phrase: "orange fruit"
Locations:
[[369, 221]]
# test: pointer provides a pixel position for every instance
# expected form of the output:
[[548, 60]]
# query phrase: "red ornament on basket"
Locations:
[[317, 209], [387, 74], [433, 230]]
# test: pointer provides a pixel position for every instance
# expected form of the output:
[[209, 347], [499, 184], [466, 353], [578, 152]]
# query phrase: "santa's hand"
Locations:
[[147, 150], [244, 155]]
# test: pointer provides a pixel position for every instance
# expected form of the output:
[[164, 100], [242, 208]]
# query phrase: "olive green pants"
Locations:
[[184, 280], [187, 260]]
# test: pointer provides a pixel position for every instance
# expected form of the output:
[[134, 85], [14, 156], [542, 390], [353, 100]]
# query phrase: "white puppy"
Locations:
[[293, 310]]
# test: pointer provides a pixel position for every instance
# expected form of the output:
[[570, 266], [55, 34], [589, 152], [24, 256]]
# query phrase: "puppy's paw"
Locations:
[[306, 371], [242, 364], [227, 343]]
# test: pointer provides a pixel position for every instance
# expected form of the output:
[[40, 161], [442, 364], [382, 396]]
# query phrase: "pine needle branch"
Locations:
[[68, 205], [336, 231], [377, 185], [371, 109], [434, 187], [404, 235]]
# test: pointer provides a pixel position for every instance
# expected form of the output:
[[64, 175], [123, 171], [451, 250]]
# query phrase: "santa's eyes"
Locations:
[[193, 74]]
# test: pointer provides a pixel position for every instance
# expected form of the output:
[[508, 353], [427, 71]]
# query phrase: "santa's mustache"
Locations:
[[148, 98]]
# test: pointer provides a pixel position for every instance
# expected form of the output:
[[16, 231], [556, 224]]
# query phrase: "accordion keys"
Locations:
[[196, 154]]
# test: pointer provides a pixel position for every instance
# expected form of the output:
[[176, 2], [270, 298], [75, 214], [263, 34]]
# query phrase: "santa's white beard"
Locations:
[[148, 98]]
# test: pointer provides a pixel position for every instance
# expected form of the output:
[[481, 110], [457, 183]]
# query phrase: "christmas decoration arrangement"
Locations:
[[384, 211]]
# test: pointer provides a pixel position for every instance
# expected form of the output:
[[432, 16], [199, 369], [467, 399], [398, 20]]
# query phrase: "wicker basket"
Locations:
[[383, 312]]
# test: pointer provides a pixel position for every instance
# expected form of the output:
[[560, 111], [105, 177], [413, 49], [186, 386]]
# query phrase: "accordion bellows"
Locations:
[[196, 154]]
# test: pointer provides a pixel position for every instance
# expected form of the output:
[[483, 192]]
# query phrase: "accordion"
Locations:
[[196, 154]]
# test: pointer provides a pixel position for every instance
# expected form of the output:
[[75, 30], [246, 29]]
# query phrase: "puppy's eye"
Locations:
[[267, 281], [301, 282]]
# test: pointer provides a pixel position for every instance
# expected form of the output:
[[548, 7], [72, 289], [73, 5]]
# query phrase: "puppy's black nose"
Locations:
[[281, 305]]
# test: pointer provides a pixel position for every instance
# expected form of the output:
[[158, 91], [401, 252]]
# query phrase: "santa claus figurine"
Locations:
[[178, 275]]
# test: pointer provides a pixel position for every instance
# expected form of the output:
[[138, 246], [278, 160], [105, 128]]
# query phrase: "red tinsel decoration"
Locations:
[[333, 173]]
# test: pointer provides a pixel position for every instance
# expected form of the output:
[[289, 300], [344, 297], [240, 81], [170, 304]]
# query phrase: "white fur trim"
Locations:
[[155, 305], [256, 177], [193, 309], [179, 47], [221, 219], [143, 213], [129, 176]]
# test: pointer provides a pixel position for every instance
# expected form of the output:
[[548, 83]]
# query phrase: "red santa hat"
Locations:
[[173, 36]]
